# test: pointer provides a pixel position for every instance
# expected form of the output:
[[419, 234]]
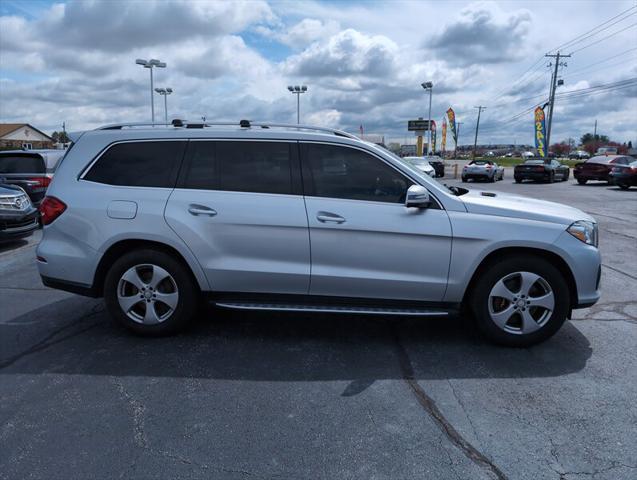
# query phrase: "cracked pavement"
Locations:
[[288, 396]]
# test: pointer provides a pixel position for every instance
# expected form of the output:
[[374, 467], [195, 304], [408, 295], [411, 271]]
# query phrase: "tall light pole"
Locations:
[[428, 86], [150, 64], [165, 92], [298, 90], [475, 141]]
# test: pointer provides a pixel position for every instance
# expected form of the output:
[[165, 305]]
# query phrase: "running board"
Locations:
[[412, 312]]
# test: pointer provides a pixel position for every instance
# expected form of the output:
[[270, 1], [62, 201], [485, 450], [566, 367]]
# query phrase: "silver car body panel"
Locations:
[[275, 243]]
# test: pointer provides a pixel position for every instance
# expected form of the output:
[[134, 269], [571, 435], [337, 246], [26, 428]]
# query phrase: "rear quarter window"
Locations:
[[21, 163], [139, 164]]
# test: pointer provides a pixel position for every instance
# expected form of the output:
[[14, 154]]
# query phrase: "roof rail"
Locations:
[[243, 124]]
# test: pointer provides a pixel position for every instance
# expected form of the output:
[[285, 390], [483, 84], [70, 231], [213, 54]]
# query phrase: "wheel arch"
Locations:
[[121, 247], [499, 254]]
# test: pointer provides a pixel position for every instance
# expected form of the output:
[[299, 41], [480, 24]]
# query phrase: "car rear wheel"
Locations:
[[518, 180], [623, 186], [582, 181], [520, 301], [150, 293]]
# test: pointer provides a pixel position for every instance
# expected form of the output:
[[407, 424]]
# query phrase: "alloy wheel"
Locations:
[[521, 302], [147, 294]]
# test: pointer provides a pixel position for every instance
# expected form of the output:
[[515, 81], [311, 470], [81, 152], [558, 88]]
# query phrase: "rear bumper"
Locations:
[[477, 176], [626, 179], [531, 175], [591, 176], [68, 286]]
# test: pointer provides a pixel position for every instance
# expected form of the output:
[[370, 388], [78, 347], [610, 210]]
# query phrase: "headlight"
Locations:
[[584, 231]]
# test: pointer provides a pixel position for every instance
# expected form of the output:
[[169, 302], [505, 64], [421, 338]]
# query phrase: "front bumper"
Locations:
[[585, 263], [13, 227]]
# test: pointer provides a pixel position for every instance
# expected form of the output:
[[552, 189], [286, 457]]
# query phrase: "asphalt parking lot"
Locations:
[[289, 396]]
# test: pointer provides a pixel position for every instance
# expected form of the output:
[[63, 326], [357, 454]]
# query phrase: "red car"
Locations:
[[599, 167]]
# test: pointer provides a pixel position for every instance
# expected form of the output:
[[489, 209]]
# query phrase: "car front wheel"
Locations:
[[520, 301], [150, 293], [581, 181]]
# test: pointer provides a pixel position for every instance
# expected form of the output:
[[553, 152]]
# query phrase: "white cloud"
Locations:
[[363, 63]]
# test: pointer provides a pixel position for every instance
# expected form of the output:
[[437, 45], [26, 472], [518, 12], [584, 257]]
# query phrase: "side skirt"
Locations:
[[325, 304]]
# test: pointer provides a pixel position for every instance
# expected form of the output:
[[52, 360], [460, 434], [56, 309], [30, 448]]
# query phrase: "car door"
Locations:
[[364, 241], [239, 208]]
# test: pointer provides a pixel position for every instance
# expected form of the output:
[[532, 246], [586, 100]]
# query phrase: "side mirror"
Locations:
[[417, 197]]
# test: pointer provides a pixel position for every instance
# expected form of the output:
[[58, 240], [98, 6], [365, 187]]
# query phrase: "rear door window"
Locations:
[[257, 167], [21, 163], [139, 164]]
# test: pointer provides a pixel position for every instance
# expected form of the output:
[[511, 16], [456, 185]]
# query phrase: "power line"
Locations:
[[597, 29], [604, 38], [587, 68], [593, 32]]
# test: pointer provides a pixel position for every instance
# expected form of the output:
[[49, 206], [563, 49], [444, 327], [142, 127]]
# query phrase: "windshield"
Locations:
[[457, 191]]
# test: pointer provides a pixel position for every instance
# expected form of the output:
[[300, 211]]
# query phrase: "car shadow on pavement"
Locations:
[[271, 346], [12, 245]]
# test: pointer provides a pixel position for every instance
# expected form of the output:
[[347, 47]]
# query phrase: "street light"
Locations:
[[165, 92], [428, 86], [150, 64], [297, 90]]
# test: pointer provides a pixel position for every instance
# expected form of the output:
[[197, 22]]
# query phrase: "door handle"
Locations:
[[197, 210], [329, 217]]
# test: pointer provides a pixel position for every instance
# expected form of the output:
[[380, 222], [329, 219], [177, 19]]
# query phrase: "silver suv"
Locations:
[[297, 218]]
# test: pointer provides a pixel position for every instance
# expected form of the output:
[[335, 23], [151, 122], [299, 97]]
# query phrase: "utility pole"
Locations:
[[595, 134], [475, 141], [557, 57]]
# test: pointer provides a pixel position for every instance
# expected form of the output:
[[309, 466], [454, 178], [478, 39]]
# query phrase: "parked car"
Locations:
[[527, 155], [437, 163], [579, 155], [624, 176], [311, 220], [30, 169], [482, 170], [18, 216], [598, 168], [606, 151], [541, 171], [421, 164]]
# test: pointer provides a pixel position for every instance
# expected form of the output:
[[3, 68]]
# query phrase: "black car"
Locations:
[[438, 164], [541, 170], [18, 216], [624, 176], [30, 169]]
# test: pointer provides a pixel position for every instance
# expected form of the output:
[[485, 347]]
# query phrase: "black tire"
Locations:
[[623, 186], [492, 179], [582, 181], [464, 180], [181, 277], [518, 180], [551, 177], [479, 299]]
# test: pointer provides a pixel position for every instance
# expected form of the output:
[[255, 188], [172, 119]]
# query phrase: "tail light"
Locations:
[[41, 182], [50, 209], [539, 169]]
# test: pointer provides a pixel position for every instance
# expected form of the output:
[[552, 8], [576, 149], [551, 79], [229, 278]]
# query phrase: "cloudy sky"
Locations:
[[363, 63]]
